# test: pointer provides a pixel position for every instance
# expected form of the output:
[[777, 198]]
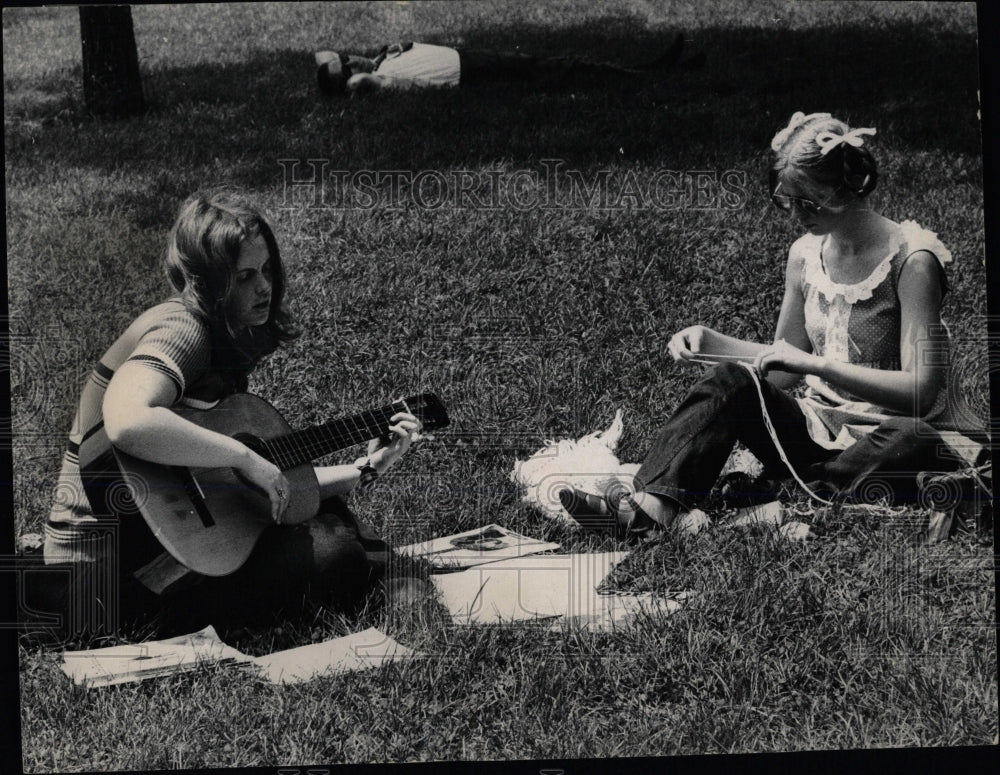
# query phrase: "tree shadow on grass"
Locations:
[[916, 84]]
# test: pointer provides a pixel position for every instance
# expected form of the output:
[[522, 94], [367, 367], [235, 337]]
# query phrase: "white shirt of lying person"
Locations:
[[421, 65]]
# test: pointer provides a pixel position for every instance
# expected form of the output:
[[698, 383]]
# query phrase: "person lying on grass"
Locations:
[[421, 65], [860, 322], [198, 346]]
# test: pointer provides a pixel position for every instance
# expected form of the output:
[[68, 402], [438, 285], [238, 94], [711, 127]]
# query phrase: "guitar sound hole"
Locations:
[[254, 442]]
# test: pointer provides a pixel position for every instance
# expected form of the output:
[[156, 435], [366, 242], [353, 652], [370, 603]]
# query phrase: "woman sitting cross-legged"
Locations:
[[860, 321], [195, 348]]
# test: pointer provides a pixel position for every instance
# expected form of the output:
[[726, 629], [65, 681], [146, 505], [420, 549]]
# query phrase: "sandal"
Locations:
[[597, 513]]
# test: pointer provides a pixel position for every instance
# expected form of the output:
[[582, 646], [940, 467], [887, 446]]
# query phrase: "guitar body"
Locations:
[[209, 519], [213, 526]]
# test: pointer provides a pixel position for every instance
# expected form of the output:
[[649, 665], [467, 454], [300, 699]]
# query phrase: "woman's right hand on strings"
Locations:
[[686, 343], [267, 477]]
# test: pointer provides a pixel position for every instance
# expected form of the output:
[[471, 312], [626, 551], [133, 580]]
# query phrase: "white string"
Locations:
[[974, 471], [774, 435]]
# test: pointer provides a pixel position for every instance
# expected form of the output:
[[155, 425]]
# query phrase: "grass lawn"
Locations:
[[532, 323]]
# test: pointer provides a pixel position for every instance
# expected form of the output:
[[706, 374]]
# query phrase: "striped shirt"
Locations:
[[166, 338]]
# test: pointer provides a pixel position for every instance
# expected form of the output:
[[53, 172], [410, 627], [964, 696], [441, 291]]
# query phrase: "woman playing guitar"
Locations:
[[191, 351]]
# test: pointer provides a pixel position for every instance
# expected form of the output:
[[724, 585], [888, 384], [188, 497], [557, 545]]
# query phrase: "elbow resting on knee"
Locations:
[[925, 394]]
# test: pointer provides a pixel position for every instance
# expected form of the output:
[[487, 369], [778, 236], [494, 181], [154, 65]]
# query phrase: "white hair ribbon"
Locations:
[[798, 119], [827, 141]]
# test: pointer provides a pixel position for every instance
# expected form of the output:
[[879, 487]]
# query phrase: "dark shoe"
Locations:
[[594, 512]]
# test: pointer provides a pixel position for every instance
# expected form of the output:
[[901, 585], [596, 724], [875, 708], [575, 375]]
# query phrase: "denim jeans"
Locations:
[[692, 447], [331, 559], [325, 560]]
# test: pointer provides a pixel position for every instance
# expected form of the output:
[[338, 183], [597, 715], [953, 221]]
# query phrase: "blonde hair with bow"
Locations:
[[827, 152]]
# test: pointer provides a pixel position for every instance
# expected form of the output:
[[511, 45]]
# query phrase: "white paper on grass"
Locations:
[[138, 661], [359, 651], [560, 587], [610, 611], [490, 543]]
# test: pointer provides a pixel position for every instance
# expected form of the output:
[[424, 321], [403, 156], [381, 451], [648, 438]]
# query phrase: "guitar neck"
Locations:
[[303, 446]]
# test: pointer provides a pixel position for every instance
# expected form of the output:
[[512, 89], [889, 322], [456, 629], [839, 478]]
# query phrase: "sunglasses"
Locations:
[[785, 203]]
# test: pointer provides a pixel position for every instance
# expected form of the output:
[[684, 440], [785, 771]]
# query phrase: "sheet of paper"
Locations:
[[138, 661], [490, 543], [525, 588], [359, 651], [610, 611]]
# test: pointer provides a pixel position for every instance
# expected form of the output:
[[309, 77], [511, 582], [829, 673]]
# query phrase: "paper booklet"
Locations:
[[560, 589], [476, 547], [358, 651], [138, 661]]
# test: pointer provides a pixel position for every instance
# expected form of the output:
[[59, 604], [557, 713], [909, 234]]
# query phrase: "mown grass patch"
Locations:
[[531, 323]]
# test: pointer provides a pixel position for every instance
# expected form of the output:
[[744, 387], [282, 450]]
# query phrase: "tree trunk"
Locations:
[[111, 83]]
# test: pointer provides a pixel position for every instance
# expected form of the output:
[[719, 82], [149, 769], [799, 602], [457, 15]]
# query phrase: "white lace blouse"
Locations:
[[856, 323]]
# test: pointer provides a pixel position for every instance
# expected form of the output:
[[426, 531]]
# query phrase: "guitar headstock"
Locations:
[[426, 407]]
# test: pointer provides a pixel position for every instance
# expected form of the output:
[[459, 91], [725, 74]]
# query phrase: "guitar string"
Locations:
[[363, 427], [280, 448], [288, 449], [310, 442]]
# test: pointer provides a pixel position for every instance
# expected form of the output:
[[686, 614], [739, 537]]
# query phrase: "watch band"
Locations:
[[368, 474]]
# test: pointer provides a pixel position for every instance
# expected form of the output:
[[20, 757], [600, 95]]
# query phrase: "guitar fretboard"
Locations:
[[298, 447]]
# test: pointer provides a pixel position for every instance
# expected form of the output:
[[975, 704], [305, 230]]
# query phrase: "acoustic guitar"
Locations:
[[209, 519]]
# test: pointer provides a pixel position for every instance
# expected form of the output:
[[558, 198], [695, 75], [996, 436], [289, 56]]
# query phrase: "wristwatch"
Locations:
[[368, 473]]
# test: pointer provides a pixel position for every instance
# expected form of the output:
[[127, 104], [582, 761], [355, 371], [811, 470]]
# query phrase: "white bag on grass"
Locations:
[[588, 463]]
